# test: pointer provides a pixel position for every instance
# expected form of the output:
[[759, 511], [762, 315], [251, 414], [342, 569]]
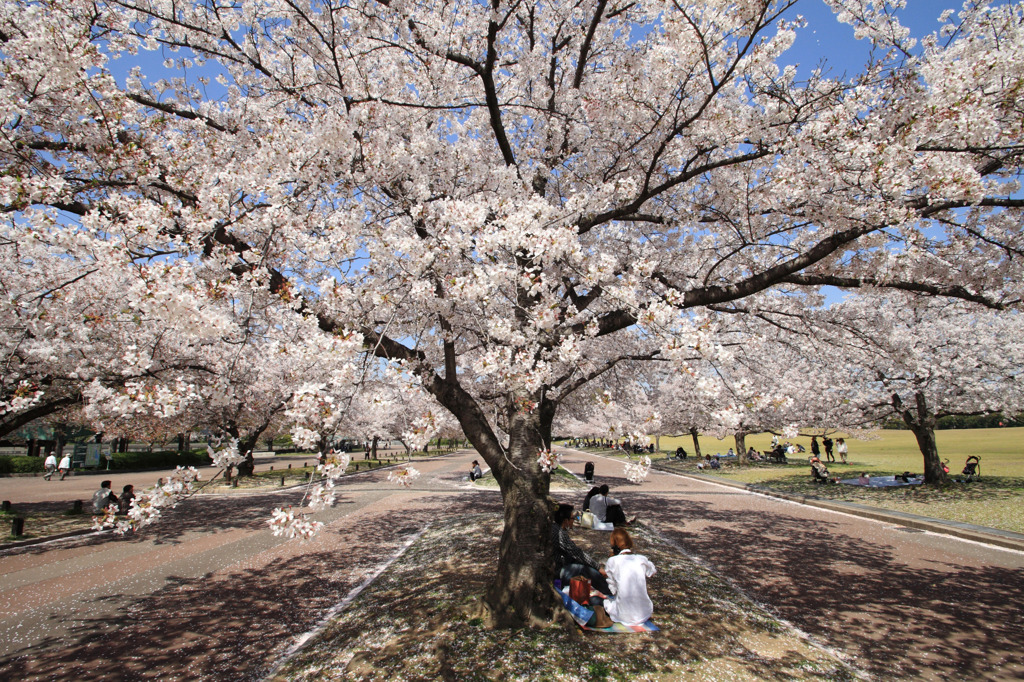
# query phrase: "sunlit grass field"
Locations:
[[1001, 451], [996, 500]]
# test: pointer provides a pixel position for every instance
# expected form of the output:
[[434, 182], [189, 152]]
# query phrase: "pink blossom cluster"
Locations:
[[404, 476]]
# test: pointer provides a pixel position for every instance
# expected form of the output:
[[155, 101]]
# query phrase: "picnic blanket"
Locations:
[[884, 482], [619, 628], [581, 614]]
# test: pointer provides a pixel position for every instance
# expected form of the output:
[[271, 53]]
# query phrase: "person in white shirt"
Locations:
[[608, 509], [103, 498], [50, 465], [627, 575], [65, 466]]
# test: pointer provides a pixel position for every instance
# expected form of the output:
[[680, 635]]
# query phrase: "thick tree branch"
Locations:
[[951, 291]]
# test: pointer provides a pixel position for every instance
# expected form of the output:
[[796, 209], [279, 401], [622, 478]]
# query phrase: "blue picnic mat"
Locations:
[[581, 614], [619, 628]]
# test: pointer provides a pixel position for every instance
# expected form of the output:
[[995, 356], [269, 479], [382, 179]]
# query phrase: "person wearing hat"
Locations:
[[50, 465]]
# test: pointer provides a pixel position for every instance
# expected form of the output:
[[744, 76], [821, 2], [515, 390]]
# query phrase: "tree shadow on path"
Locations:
[[895, 606], [229, 625]]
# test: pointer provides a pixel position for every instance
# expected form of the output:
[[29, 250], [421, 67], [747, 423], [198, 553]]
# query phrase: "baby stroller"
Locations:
[[819, 471], [972, 469]]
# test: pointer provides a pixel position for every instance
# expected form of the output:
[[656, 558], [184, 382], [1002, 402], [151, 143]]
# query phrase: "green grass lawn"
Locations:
[[996, 500], [1001, 450]]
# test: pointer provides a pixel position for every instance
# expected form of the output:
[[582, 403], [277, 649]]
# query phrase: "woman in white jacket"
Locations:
[[627, 575]]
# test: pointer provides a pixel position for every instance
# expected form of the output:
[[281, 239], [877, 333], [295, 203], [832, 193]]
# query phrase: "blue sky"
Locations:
[[825, 37]]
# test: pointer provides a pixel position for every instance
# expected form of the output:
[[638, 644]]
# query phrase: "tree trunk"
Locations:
[[521, 593], [741, 447], [696, 442], [373, 448], [923, 427]]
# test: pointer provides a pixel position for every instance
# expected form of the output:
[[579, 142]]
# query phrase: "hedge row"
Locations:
[[123, 461], [20, 464], [157, 460]]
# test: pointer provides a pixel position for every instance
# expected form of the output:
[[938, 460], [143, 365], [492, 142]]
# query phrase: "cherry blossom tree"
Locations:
[[508, 200], [920, 359]]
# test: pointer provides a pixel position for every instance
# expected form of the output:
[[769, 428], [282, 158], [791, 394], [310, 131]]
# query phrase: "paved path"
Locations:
[[81, 486], [212, 595], [896, 603], [209, 593]]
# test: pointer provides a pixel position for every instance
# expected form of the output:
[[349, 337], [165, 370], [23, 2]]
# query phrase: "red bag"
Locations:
[[579, 590]]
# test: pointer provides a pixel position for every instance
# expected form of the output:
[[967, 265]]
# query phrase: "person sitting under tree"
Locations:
[[570, 560], [103, 497], [627, 575], [125, 502], [608, 509]]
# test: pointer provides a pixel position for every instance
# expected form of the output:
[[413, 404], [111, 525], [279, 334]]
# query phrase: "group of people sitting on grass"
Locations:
[[619, 587], [604, 508], [709, 463]]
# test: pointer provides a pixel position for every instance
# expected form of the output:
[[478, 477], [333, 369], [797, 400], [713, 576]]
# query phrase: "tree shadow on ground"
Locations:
[[226, 626], [900, 615], [200, 513], [418, 623]]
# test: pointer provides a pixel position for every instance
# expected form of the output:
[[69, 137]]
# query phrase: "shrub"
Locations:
[[21, 464], [126, 461]]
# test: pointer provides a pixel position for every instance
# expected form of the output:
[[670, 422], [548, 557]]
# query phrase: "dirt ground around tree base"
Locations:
[[436, 631]]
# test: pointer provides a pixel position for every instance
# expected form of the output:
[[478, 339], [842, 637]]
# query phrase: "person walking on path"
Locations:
[[65, 466], [50, 465]]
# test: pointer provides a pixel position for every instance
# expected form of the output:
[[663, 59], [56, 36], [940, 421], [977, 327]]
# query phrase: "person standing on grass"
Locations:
[[50, 465], [841, 447], [827, 442], [815, 448]]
